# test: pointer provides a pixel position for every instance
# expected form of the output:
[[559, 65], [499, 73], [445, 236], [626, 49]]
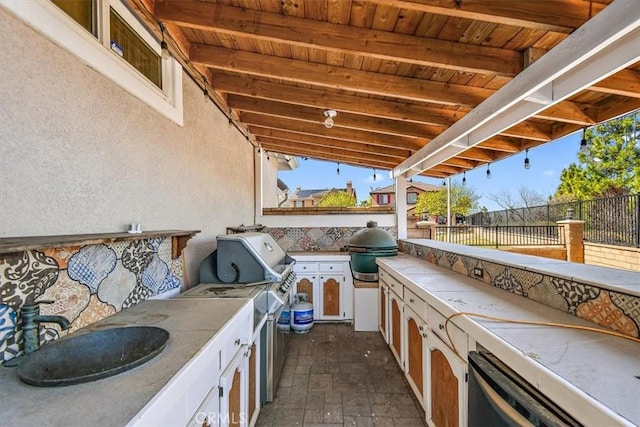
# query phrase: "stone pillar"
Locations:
[[430, 226], [573, 231]]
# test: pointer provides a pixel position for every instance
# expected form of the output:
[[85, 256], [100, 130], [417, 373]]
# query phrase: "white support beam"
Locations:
[[401, 206], [602, 46]]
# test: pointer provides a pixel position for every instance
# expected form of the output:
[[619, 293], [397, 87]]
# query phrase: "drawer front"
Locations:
[[416, 303], [329, 267], [437, 321], [305, 267], [237, 335], [393, 284]]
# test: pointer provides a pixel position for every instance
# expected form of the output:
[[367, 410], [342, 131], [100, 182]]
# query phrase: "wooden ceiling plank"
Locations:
[[477, 154], [462, 163], [347, 120], [559, 16], [336, 133], [380, 42], [337, 77], [623, 83], [334, 155], [299, 138]]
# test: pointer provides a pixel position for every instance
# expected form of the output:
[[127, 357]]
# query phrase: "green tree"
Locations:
[[335, 198], [463, 200], [612, 164]]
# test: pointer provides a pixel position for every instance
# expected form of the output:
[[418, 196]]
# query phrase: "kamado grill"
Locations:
[[365, 246], [253, 265]]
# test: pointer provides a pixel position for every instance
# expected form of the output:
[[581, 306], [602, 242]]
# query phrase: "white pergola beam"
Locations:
[[602, 46]]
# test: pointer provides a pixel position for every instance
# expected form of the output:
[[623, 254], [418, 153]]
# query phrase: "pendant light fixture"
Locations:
[[527, 163], [338, 169], [329, 114], [488, 171], [163, 44], [374, 174], [444, 183], [464, 178], [583, 143]]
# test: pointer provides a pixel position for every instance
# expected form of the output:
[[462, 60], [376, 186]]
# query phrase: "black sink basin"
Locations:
[[91, 356]]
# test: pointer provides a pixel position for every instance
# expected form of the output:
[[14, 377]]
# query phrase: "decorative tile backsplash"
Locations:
[[614, 310], [311, 239], [85, 283]]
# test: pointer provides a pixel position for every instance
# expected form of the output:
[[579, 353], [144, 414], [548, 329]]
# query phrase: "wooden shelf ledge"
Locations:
[[10, 245]]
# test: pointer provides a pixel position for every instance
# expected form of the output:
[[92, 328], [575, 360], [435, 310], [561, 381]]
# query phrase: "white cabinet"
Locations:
[[446, 385], [329, 286], [234, 391], [383, 310]]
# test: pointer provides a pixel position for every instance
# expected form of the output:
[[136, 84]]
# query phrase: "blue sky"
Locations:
[[547, 162]]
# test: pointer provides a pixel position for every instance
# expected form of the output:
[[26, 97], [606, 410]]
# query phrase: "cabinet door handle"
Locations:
[[441, 326], [421, 328], [237, 341]]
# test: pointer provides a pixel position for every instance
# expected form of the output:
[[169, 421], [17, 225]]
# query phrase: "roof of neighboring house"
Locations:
[[303, 194], [417, 185]]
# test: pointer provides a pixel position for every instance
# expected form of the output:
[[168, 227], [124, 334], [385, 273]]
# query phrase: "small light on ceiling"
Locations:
[[527, 162], [329, 114], [163, 44], [374, 174], [444, 183], [464, 178], [488, 171], [205, 91], [338, 169]]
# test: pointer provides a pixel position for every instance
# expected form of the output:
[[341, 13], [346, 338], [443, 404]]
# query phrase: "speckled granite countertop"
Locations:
[[592, 376], [114, 401]]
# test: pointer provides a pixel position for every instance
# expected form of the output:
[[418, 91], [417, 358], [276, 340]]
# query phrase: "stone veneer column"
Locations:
[[573, 239]]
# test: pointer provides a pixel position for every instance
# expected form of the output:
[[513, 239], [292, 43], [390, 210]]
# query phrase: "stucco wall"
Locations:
[[612, 256], [80, 155]]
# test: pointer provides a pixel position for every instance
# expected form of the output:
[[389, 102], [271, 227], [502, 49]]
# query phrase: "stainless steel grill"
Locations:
[[253, 265]]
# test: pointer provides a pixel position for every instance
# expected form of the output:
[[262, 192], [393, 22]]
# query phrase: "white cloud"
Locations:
[[548, 172]]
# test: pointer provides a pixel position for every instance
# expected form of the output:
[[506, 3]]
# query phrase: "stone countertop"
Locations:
[[114, 401], [607, 278], [592, 376]]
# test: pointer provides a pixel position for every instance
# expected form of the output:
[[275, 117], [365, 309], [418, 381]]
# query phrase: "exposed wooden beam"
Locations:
[[252, 119], [366, 82], [348, 103], [318, 141], [346, 120], [478, 154], [462, 163], [307, 33], [561, 16], [623, 83], [334, 154]]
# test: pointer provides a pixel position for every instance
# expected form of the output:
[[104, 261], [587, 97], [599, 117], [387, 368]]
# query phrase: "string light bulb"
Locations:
[[338, 169], [163, 44], [583, 143], [444, 183], [464, 178], [374, 174], [488, 171], [527, 162], [205, 91]]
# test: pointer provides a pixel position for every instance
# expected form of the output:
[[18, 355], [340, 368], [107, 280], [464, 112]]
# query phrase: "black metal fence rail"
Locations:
[[610, 220], [502, 235]]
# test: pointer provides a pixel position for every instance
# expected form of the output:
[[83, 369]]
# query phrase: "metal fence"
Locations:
[[502, 235], [610, 220]]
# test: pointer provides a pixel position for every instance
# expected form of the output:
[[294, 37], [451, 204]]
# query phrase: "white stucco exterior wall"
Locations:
[[80, 155]]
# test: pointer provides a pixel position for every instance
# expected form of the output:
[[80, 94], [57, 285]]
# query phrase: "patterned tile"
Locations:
[[139, 294], [603, 311], [61, 255], [69, 297], [547, 294], [96, 310], [91, 265], [450, 258], [506, 280], [25, 277], [164, 251], [527, 279], [8, 321], [154, 274], [574, 293], [469, 264], [116, 287], [630, 305], [136, 256]]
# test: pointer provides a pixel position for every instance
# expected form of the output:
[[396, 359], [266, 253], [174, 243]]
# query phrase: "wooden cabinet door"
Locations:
[[234, 400], [447, 386], [414, 354], [382, 310], [331, 293], [234, 390], [306, 284], [395, 327], [253, 359]]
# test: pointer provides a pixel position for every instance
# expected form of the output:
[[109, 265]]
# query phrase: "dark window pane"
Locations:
[[134, 50], [80, 11]]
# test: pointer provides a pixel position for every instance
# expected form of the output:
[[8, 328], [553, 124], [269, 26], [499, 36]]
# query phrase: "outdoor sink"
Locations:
[[91, 356]]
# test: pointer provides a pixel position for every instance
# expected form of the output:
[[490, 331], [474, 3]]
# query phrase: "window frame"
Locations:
[[415, 198], [95, 50], [385, 197]]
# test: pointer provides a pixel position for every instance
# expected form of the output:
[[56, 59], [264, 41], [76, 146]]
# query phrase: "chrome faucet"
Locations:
[[31, 319]]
